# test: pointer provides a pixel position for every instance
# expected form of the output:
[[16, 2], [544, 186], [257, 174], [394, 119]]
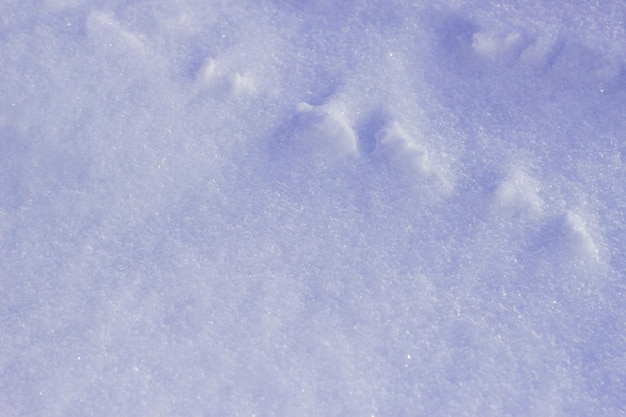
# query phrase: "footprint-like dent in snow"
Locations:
[[578, 237], [519, 191], [495, 45], [570, 235], [396, 146], [216, 77], [324, 133], [412, 157], [103, 28]]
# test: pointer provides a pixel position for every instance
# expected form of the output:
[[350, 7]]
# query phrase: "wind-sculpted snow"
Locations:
[[285, 208]]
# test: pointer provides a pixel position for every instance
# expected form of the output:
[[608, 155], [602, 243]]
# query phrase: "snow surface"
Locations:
[[312, 208]]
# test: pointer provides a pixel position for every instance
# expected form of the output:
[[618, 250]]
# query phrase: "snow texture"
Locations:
[[312, 208]]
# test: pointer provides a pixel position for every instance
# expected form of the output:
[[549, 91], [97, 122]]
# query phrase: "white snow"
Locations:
[[312, 208]]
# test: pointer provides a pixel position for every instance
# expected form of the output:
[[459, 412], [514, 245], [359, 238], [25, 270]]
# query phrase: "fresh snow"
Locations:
[[285, 208]]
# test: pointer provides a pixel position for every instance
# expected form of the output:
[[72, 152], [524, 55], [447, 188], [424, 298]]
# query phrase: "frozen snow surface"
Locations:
[[312, 208]]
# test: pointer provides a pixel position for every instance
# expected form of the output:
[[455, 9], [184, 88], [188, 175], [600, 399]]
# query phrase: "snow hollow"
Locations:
[[312, 208]]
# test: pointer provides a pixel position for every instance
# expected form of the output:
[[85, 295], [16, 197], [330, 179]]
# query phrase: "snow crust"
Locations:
[[312, 209]]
